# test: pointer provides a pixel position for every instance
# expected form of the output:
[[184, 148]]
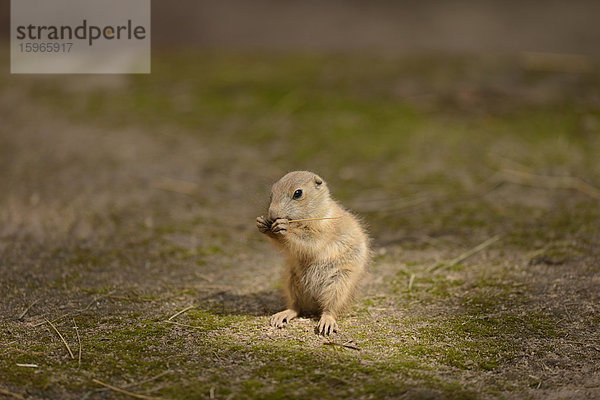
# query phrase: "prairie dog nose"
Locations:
[[272, 215]]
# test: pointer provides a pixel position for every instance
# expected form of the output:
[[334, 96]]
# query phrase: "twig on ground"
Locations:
[[411, 281], [79, 342], [20, 317], [510, 163], [464, 255], [348, 338], [155, 377], [11, 394], [350, 343], [393, 204], [345, 344], [95, 300], [568, 313], [76, 312], [116, 389], [180, 324], [180, 312], [219, 358], [550, 182], [35, 353], [485, 188], [62, 338], [311, 219], [591, 346], [129, 386], [334, 346], [128, 298], [27, 365], [552, 245]]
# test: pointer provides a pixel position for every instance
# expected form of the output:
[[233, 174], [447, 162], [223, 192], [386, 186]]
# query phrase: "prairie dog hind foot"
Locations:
[[327, 325]]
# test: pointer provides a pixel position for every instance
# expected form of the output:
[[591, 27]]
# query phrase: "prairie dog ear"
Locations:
[[318, 180]]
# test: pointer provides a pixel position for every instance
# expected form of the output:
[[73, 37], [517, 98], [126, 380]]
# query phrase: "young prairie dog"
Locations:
[[326, 258]]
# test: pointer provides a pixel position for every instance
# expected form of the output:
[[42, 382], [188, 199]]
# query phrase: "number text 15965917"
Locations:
[[33, 47]]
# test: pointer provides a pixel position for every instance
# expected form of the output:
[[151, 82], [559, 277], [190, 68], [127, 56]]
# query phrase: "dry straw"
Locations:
[[128, 393], [78, 341], [465, 255], [180, 312], [311, 219], [62, 338], [20, 317], [11, 394]]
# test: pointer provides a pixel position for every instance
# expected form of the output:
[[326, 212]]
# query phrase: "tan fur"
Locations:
[[325, 259]]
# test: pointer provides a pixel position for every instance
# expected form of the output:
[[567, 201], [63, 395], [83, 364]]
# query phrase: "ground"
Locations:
[[127, 208]]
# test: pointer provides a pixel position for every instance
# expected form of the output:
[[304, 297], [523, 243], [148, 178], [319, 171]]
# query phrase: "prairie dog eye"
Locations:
[[297, 194]]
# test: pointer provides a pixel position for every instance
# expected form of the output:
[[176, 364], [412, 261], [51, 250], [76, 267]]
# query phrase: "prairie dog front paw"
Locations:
[[263, 224], [280, 226]]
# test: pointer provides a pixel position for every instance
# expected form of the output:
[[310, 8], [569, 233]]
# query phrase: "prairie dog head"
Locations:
[[299, 194]]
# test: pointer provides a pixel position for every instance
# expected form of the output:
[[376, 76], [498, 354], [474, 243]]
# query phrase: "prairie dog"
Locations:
[[325, 259]]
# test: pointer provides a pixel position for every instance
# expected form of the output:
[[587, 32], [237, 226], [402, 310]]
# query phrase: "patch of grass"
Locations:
[[207, 321], [474, 341]]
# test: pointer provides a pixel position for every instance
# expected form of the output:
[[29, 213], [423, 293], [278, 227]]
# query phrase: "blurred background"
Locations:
[[394, 27], [442, 124]]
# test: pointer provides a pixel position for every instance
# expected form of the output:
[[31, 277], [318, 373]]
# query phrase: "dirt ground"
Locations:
[[127, 208]]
